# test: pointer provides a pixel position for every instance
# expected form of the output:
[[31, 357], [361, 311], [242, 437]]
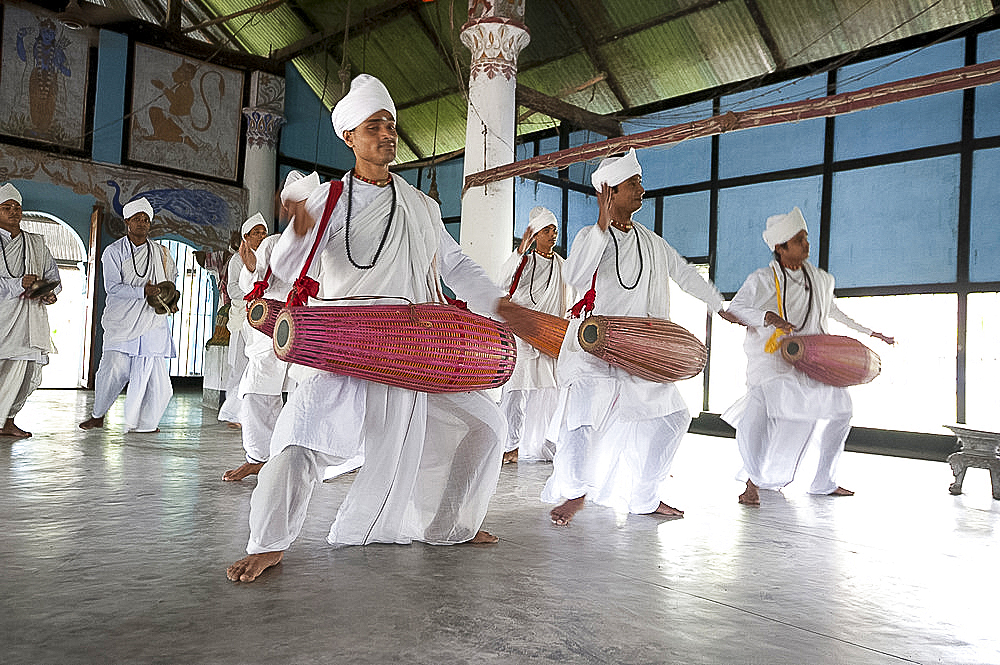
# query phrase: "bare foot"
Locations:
[[232, 425], [483, 538], [250, 567], [563, 513], [144, 431], [92, 423], [510, 457], [750, 497], [241, 472], [664, 509], [840, 491], [10, 429]]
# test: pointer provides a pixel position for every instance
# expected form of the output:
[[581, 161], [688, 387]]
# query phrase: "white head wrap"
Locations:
[[9, 193], [366, 96], [614, 171], [782, 228], [255, 221], [539, 218], [298, 187], [137, 206]]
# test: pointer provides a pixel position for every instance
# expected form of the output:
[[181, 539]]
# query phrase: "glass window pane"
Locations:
[[988, 97], [982, 358], [685, 222], [784, 146], [682, 163], [582, 212], [895, 224], [911, 124], [546, 146], [580, 172], [688, 311], [916, 389], [743, 212], [984, 261], [450, 178]]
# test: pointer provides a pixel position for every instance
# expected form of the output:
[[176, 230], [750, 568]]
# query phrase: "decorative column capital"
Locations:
[[263, 127], [495, 44]]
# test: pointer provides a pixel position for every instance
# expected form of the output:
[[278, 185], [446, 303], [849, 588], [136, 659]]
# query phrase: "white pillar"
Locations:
[[264, 122], [488, 212]]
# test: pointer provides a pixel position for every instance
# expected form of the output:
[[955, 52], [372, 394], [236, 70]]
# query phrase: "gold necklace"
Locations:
[[377, 183], [622, 226]]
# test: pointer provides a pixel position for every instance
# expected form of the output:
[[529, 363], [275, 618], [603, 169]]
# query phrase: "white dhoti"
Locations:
[[149, 388], [18, 379]]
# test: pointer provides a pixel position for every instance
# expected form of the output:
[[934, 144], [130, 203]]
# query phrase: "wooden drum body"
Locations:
[[262, 314], [832, 359], [652, 349], [431, 347]]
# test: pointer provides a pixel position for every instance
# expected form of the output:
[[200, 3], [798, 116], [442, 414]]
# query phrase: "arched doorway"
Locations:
[[67, 316]]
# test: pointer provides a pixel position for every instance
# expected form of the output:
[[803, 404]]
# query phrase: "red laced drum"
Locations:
[[832, 359], [431, 347], [263, 312], [652, 349]]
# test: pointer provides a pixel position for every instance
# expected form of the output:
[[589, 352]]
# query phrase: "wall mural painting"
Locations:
[[44, 68], [203, 214], [190, 121]]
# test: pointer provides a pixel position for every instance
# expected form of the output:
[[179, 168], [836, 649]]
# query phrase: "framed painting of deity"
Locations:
[[186, 114], [44, 68]]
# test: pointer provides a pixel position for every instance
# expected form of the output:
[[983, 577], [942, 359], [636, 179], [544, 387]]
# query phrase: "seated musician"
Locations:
[[784, 409], [618, 433]]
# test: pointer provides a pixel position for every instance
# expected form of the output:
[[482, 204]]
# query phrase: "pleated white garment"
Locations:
[[785, 411], [431, 462]]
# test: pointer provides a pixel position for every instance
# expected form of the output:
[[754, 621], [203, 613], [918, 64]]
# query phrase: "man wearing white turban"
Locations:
[[532, 278], [616, 434], [784, 409], [252, 233], [266, 377], [431, 460], [137, 340], [29, 280]]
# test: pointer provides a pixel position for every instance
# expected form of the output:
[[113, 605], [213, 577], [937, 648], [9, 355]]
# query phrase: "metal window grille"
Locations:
[[192, 325]]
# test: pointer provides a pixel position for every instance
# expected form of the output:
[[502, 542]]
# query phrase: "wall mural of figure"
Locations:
[[191, 121], [196, 214], [44, 71]]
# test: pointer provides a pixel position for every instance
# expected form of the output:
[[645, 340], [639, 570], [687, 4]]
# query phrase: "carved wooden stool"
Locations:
[[981, 450]]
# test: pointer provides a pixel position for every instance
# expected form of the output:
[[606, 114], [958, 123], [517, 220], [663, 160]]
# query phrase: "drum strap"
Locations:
[[306, 287], [587, 303], [517, 275], [773, 343], [259, 287]]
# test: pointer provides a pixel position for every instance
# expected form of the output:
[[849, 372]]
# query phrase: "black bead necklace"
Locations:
[[347, 224], [638, 246], [149, 258], [24, 257], [808, 287], [531, 284]]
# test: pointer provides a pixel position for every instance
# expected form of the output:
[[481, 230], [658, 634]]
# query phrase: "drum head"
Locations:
[[257, 312], [591, 333], [282, 333]]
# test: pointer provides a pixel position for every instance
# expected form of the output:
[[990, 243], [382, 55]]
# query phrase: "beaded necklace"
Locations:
[[638, 246], [808, 287], [149, 258], [24, 257], [347, 225], [531, 284]]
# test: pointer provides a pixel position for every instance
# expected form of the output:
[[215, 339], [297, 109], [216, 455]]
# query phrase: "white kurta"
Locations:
[[631, 426], [265, 377], [236, 357], [530, 396], [25, 336], [137, 340], [431, 461], [784, 409]]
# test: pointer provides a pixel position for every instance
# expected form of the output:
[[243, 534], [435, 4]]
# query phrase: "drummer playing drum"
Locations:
[[784, 409]]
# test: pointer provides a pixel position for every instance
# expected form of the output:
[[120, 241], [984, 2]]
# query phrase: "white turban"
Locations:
[[366, 96], [135, 207], [9, 193], [298, 187], [782, 228], [540, 218], [614, 171], [252, 223]]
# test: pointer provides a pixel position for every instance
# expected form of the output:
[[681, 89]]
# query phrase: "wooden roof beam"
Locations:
[[384, 13], [576, 116]]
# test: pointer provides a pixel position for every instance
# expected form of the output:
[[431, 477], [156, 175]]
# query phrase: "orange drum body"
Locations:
[[652, 349], [832, 359], [263, 312], [433, 348]]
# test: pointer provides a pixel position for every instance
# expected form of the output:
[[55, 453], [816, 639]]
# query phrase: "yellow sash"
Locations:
[[773, 343]]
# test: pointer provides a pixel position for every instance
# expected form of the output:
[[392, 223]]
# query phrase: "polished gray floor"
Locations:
[[114, 549]]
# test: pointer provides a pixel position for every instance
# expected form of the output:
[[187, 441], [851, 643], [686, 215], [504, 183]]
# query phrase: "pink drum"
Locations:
[[832, 359], [263, 312]]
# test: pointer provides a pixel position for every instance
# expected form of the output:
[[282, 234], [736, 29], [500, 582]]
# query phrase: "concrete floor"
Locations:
[[114, 549]]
